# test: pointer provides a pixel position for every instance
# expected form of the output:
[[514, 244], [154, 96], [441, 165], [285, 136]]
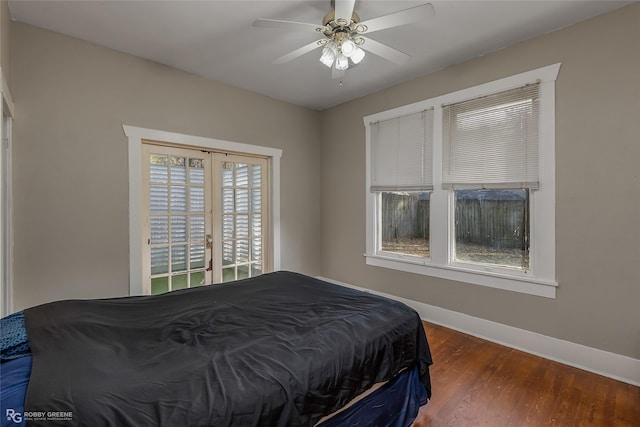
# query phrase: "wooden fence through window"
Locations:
[[500, 224]]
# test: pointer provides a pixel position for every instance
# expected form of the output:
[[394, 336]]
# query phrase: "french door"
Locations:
[[204, 217]]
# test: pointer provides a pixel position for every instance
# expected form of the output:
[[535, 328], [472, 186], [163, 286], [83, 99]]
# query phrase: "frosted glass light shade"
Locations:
[[328, 55], [342, 62], [357, 56], [348, 47]]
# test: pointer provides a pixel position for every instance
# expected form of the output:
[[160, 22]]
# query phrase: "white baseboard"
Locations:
[[612, 365]]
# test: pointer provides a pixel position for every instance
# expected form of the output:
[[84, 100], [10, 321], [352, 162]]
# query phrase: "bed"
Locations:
[[281, 349]]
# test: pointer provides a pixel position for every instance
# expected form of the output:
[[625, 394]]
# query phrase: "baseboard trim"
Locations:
[[612, 365]]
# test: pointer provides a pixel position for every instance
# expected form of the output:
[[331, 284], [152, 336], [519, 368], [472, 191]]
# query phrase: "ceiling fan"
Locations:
[[344, 40]]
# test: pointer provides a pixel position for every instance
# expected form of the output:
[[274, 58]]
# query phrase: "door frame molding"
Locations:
[[6, 210], [135, 137]]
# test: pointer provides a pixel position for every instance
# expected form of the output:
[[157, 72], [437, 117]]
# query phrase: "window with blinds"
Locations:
[[402, 176], [490, 161], [462, 186], [401, 158], [492, 141]]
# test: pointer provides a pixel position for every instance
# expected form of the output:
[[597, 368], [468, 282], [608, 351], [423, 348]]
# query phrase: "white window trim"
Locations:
[[541, 279], [136, 135]]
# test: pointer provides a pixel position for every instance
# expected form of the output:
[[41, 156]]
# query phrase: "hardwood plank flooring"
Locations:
[[480, 383]]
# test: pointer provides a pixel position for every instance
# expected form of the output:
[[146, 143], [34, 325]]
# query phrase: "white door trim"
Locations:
[[135, 136], [6, 211]]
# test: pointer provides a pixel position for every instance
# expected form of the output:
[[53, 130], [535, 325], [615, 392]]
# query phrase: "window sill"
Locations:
[[515, 283]]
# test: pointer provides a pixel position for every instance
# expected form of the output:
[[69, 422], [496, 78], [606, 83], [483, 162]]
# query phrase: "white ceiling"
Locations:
[[216, 39]]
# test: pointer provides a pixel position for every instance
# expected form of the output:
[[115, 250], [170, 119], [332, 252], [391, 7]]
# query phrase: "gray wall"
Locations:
[[70, 159], [598, 187], [5, 23]]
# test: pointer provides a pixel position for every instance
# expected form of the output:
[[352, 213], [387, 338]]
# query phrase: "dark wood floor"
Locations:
[[479, 383]]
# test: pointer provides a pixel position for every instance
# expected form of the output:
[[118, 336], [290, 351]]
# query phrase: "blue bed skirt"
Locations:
[[395, 404]]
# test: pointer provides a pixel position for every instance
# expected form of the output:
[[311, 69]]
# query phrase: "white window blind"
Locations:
[[492, 141], [401, 153]]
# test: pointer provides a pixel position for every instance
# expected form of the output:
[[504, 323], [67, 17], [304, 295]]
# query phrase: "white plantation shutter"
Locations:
[[401, 153], [492, 141]]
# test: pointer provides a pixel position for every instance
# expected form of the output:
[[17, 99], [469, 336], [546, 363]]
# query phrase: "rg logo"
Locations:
[[14, 416]]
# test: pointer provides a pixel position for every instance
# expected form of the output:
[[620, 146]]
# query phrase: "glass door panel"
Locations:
[[242, 215], [178, 217]]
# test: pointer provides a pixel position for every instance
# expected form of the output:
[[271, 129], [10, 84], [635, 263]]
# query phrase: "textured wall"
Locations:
[[70, 159], [598, 187]]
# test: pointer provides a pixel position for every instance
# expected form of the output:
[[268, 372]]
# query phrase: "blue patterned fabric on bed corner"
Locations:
[[13, 337]]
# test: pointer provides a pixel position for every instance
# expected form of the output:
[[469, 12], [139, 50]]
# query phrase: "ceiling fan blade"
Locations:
[[344, 9], [296, 53], [287, 25], [384, 51], [407, 16], [337, 74]]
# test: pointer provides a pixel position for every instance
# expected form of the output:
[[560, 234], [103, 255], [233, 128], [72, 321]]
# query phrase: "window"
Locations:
[[492, 228], [490, 162], [404, 222], [462, 186], [402, 175]]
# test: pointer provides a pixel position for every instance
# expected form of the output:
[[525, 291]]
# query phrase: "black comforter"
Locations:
[[280, 349]]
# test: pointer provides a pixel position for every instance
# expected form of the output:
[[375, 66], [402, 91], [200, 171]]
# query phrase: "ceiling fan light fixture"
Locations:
[[342, 62], [357, 56], [342, 32]]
